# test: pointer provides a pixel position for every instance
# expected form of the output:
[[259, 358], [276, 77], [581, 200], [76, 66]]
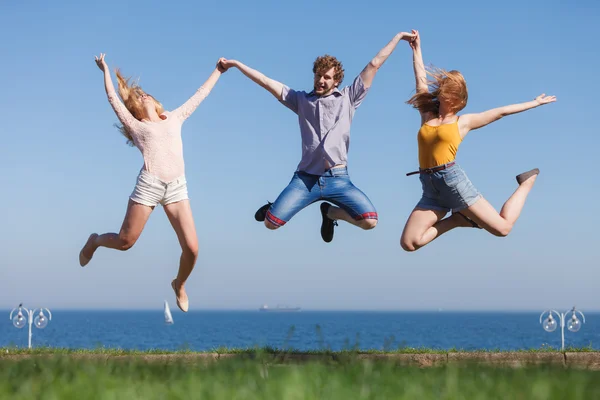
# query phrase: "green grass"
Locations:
[[63, 377]]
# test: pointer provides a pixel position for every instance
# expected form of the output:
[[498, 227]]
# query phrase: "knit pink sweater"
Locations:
[[159, 142]]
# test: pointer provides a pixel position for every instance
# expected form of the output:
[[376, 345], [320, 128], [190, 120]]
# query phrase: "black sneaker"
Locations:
[[327, 224], [261, 213]]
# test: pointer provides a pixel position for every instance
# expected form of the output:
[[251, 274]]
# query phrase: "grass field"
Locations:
[[63, 376]]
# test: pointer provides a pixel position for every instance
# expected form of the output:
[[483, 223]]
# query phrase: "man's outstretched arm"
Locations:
[[368, 73]]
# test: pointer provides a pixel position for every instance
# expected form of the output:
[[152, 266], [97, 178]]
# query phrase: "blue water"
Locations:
[[205, 330]]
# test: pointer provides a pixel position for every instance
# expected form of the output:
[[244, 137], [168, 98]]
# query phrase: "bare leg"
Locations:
[[180, 216], [131, 229], [500, 224], [424, 226]]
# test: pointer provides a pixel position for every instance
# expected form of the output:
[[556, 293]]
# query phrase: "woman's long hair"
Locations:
[[130, 94], [449, 86]]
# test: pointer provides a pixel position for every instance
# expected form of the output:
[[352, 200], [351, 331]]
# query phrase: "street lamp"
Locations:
[[574, 324], [40, 321]]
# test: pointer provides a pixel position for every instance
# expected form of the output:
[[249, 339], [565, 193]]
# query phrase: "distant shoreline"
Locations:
[[306, 310]]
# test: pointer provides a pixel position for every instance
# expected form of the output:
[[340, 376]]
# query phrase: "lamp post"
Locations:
[[40, 321], [574, 324]]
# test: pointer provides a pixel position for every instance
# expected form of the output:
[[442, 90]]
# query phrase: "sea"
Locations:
[[304, 330]]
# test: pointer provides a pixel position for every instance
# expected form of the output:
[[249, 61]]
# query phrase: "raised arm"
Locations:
[[368, 73], [274, 87], [469, 122], [186, 109], [128, 120], [418, 65], [420, 74]]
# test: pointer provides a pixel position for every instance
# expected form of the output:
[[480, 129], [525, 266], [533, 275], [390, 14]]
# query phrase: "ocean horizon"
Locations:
[[204, 330]]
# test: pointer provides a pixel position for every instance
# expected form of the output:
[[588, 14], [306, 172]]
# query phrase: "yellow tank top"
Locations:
[[438, 144]]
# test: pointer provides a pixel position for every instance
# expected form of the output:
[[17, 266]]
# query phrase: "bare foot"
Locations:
[[87, 252], [180, 295]]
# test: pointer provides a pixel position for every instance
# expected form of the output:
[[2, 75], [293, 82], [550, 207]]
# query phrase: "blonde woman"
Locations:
[[445, 185], [161, 180]]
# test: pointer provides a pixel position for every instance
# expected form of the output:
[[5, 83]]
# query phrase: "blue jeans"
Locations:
[[333, 186], [447, 190]]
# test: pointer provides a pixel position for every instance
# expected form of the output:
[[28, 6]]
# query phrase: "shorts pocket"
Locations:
[[145, 179], [452, 178]]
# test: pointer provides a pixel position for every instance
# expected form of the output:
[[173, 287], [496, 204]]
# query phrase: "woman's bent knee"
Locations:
[[408, 245], [502, 231], [126, 241], [191, 250]]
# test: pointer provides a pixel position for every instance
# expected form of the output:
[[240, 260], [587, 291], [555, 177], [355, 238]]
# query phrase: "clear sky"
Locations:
[[67, 172]]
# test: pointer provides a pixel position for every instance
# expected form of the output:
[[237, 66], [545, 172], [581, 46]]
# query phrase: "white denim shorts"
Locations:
[[151, 191]]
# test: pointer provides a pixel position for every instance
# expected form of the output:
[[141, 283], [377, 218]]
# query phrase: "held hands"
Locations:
[[220, 66], [543, 99], [415, 43], [101, 63], [224, 64], [409, 37]]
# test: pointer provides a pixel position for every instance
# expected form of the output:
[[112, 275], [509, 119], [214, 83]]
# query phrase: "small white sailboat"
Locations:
[[168, 316]]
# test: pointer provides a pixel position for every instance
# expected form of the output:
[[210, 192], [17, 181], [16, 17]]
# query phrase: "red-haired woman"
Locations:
[[445, 185]]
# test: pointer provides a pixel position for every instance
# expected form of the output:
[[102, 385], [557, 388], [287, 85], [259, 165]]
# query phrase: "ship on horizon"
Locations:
[[265, 308]]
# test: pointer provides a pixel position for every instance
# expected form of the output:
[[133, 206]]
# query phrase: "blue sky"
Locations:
[[67, 171]]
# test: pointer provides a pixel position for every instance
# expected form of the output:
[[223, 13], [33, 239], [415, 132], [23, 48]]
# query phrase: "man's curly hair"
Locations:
[[325, 63]]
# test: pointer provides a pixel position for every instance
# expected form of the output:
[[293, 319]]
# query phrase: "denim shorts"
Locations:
[[333, 186], [151, 191], [447, 190]]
